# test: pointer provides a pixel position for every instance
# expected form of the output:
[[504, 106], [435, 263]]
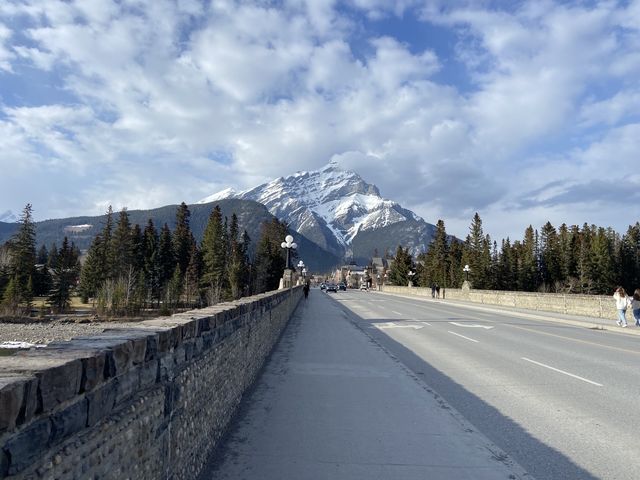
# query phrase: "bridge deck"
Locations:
[[332, 404]]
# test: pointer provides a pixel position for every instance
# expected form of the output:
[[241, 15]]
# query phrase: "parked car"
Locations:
[[323, 286], [342, 286], [331, 287], [364, 287]]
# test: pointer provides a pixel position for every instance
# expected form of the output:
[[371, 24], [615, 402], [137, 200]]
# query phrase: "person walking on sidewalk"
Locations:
[[622, 303], [635, 306]]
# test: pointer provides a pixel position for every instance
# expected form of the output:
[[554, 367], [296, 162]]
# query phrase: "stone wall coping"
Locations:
[[52, 378]]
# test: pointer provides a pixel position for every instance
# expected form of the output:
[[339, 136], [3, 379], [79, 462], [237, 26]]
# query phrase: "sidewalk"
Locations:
[[575, 320], [332, 404]]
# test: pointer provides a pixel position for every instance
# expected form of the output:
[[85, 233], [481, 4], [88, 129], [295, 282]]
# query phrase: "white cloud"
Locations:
[[173, 100]]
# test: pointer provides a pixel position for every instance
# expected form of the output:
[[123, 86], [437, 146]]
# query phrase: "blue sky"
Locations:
[[523, 111]]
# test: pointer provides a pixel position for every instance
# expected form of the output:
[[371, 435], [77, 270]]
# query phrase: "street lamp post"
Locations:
[[466, 286], [378, 281], [411, 274], [289, 244]]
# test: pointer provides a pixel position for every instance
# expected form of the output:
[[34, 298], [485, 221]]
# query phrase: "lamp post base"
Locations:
[[287, 278]]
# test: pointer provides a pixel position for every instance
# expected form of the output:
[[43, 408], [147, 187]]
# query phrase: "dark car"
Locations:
[[331, 287], [323, 286], [342, 286]]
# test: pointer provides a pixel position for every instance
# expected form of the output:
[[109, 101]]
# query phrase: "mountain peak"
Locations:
[[330, 206], [8, 217]]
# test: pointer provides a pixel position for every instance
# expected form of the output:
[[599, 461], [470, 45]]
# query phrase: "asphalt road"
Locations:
[[563, 401]]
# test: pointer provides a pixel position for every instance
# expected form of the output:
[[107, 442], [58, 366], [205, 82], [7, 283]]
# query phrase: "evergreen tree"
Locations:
[[22, 263], [214, 256], [65, 275], [436, 260], [165, 258], [93, 271], [603, 273], [192, 277], [137, 249], [237, 265], [150, 247], [528, 265], [478, 254], [550, 258], [182, 238], [402, 263], [270, 258], [121, 247]]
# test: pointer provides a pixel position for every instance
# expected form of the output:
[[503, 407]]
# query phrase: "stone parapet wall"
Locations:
[[147, 402], [595, 306]]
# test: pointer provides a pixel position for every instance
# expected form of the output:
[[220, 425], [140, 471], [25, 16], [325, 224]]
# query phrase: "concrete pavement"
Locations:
[[333, 404], [575, 320]]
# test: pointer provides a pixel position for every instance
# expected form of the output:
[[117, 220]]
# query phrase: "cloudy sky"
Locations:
[[524, 111]]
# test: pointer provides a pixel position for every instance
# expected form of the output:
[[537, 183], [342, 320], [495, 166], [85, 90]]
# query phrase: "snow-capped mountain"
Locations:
[[8, 217], [331, 207]]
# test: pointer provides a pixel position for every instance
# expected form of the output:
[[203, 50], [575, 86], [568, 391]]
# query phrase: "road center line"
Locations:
[[562, 371], [397, 313], [462, 336]]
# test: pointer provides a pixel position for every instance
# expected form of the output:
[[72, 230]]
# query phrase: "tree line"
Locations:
[[567, 259], [129, 268]]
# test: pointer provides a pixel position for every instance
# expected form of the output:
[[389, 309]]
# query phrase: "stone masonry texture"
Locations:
[[591, 306], [147, 402]]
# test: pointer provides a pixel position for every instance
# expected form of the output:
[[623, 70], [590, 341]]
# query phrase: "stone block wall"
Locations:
[[147, 402], [594, 306]]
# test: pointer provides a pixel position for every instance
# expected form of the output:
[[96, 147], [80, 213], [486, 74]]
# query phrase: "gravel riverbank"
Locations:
[[42, 333]]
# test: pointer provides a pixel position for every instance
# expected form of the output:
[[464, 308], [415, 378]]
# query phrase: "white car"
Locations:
[[364, 287]]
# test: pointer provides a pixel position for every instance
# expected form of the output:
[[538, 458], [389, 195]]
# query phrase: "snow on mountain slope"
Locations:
[[8, 217], [330, 206]]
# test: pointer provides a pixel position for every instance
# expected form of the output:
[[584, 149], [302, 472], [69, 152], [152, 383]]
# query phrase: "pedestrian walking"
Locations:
[[635, 306], [622, 303], [305, 289], [437, 291], [433, 290]]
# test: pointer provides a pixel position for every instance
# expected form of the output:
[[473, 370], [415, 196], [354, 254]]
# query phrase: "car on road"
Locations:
[[342, 286], [323, 286], [331, 287], [364, 287]]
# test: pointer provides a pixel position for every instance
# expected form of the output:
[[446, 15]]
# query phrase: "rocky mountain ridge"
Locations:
[[332, 207]]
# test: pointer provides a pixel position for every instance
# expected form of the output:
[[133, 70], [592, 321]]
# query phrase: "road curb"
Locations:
[[596, 324]]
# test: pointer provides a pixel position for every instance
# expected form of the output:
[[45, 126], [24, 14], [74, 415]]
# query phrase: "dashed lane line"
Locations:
[[462, 336], [563, 372]]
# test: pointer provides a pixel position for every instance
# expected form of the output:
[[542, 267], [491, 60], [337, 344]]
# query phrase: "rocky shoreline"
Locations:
[[45, 332]]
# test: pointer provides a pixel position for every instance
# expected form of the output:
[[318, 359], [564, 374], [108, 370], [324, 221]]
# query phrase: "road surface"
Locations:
[[561, 400]]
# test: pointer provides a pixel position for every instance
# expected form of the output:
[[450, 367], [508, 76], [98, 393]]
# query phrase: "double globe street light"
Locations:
[[289, 244]]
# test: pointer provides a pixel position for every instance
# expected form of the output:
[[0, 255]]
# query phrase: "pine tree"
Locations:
[[182, 239], [402, 263], [150, 246], [121, 247], [270, 257], [237, 264], [437, 259], [93, 271], [65, 275], [550, 258], [214, 256], [165, 258], [22, 262], [192, 277]]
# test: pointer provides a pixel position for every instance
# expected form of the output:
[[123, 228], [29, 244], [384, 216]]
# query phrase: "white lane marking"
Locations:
[[562, 371], [462, 336], [383, 326], [397, 313], [471, 325]]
